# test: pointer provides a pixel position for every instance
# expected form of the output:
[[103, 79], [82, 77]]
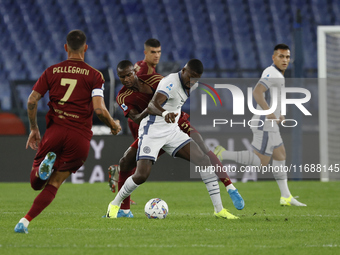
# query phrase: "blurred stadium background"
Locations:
[[233, 38]]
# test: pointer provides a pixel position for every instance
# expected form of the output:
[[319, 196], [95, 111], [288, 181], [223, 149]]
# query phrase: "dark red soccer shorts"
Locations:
[[70, 146]]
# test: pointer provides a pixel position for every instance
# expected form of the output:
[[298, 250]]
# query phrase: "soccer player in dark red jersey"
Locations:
[[75, 92], [133, 99], [152, 52], [147, 66]]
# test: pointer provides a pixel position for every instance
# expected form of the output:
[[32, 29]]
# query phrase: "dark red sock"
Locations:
[[224, 177], [36, 182], [45, 197], [122, 178]]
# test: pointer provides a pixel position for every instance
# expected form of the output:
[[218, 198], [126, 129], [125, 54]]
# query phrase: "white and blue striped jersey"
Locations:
[[270, 78], [171, 86]]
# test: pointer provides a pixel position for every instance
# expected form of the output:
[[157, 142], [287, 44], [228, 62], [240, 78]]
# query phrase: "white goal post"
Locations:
[[328, 44]]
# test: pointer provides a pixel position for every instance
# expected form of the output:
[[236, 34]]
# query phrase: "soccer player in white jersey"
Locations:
[[159, 130], [267, 142]]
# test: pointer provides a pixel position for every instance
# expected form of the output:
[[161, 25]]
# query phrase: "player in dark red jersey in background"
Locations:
[[147, 66], [152, 52], [133, 99], [75, 92]]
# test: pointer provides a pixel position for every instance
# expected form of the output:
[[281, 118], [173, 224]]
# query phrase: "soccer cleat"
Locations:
[[290, 201], [113, 177], [112, 211], [236, 198], [45, 168], [224, 214], [218, 152], [122, 214], [20, 228]]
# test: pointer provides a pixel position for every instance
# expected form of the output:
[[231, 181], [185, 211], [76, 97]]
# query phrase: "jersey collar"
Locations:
[[277, 68], [180, 78]]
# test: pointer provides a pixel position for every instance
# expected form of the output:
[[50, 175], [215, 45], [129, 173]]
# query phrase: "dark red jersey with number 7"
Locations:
[[71, 85]]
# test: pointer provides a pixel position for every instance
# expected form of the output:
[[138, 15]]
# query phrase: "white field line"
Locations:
[[164, 246]]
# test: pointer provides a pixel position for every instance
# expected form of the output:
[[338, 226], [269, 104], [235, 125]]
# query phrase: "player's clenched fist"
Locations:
[[117, 128]]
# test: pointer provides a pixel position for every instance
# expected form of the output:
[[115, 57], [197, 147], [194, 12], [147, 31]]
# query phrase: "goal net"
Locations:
[[329, 100]]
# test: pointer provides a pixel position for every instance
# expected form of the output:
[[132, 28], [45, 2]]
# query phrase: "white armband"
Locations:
[[97, 92], [164, 113]]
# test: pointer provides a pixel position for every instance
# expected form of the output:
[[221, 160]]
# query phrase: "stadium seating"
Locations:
[[233, 38]]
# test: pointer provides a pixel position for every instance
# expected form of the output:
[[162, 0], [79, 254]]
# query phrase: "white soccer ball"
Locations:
[[156, 208]]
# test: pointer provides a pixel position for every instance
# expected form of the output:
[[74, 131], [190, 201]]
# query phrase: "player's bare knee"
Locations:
[[202, 160], [141, 175], [125, 164], [140, 178]]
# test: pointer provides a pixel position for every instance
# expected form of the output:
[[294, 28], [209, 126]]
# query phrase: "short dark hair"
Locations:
[[152, 42], [195, 65], [281, 46], [76, 39], [124, 64]]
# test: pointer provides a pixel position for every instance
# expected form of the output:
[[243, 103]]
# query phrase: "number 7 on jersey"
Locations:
[[72, 84]]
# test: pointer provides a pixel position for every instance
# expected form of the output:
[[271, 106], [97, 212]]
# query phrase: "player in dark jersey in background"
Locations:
[[133, 98], [75, 92], [147, 66], [140, 90], [152, 52]]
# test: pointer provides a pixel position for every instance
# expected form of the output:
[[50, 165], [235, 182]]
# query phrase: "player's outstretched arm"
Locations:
[[155, 108], [32, 108], [136, 116], [104, 115]]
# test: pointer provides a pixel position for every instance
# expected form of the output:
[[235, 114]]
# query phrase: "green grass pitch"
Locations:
[[72, 224]]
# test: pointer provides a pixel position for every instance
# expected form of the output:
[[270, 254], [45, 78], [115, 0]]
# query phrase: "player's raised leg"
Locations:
[[242, 157]]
